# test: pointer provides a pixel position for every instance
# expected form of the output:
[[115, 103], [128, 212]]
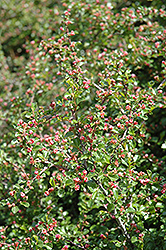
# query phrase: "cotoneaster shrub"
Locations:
[[78, 163]]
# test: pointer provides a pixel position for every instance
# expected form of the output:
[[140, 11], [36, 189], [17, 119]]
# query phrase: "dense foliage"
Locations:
[[83, 124]]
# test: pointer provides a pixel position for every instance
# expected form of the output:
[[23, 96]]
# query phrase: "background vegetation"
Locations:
[[83, 124]]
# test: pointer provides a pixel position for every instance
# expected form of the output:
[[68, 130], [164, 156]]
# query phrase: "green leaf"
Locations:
[[113, 177], [159, 204], [35, 237], [94, 194], [106, 159], [21, 182], [152, 209], [52, 182], [130, 210], [115, 192], [110, 207], [61, 193], [78, 100], [162, 135], [15, 209], [40, 243], [76, 142], [25, 204], [163, 145], [93, 227], [91, 184], [69, 182], [125, 163], [48, 247], [154, 139], [118, 244], [134, 239], [90, 203], [69, 134], [84, 206]]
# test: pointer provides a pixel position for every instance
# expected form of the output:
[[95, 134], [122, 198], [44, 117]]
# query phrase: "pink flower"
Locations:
[[58, 236], [84, 172], [22, 195], [86, 179], [76, 180], [44, 231], [77, 187], [12, 192], [65, 247], [46, 193]]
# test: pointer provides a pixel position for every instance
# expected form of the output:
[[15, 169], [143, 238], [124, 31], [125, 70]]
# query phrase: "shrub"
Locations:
[[79, 164]]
